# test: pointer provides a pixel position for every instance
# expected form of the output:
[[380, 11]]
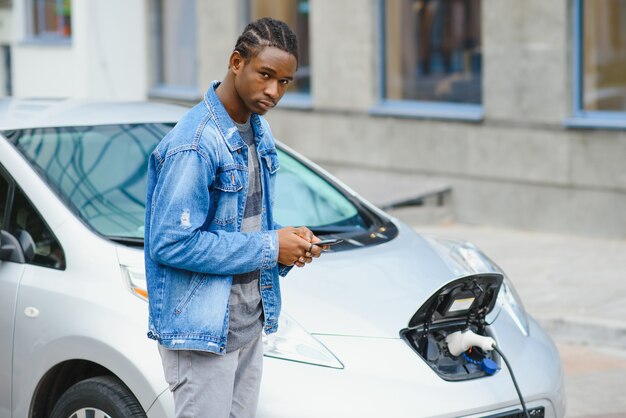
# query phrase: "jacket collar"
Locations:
[[225, 123]]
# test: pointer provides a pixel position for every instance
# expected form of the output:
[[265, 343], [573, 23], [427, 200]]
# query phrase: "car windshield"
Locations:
[[100, 172], [305, 198]]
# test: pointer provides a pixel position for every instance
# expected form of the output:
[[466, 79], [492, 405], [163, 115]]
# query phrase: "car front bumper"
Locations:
[[384, 377]]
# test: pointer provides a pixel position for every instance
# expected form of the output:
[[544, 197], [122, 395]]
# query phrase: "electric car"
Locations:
[[375, 327]]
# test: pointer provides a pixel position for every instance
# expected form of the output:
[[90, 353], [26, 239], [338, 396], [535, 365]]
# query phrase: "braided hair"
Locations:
[[263, 33]]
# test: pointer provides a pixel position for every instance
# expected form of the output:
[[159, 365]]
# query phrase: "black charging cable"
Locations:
[[497, 350]]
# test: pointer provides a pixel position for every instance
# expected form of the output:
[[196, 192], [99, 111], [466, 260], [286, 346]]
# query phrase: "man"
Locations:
[[213, 250]]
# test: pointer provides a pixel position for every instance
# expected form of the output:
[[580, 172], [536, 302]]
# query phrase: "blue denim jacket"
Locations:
[[197, 188]]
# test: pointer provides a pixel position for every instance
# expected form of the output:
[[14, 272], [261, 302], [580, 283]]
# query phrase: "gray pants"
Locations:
[[207, 385]]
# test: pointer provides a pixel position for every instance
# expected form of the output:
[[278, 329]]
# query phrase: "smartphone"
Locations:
[[331, 241]]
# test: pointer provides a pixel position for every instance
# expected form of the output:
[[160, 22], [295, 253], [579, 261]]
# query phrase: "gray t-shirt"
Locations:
[[245, 310]]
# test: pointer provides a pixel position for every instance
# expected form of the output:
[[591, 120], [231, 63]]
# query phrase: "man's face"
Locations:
[[262, 81]]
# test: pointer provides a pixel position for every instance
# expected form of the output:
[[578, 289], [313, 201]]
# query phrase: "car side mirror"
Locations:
[[10, 248]]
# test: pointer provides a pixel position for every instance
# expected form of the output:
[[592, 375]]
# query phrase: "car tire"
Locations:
[[101, 397]]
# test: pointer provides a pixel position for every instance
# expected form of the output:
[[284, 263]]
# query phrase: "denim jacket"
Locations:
[[197, 188]]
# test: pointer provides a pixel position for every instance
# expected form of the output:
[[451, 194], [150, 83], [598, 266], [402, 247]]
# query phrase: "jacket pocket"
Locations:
[[228, 180], [227, 188], [271, 162], [196, 282]]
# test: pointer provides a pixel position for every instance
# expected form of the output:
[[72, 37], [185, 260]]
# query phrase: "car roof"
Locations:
[[41, 113]]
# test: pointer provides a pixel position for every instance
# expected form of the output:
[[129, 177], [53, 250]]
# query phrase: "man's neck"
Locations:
[[231, 101]]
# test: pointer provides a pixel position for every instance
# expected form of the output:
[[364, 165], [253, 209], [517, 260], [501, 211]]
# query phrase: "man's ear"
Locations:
[[236, 62]]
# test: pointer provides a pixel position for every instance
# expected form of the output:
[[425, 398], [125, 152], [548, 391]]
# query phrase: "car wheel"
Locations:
[[98, 397]]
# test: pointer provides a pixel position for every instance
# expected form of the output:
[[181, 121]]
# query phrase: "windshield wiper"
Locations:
[[317, 230], [333, 229], [130, 241]]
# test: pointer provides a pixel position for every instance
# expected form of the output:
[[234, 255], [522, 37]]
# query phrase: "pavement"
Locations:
[[594, 379]]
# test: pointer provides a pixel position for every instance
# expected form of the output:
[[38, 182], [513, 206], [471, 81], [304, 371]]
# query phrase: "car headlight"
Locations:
[[510, 301], [293, 343], [136, 282]]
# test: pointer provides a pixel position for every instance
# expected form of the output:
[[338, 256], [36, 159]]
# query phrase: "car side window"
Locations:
[[37, 240]]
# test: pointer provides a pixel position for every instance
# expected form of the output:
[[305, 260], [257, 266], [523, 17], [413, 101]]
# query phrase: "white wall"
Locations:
[[110, 40], [5, 26], [43, 71], [106, 59], [39, 70]]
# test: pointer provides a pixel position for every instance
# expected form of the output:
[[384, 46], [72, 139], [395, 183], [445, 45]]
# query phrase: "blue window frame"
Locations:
[[431, 59], [599, 53], [296, 14]]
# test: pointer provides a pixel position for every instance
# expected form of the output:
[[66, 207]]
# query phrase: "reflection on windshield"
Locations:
[[305, 198], [99, 171]]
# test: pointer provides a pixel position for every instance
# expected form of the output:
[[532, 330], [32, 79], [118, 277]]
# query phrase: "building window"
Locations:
[[602, 49], [296, 14], [51, 19], [176, 49], [432, 51]]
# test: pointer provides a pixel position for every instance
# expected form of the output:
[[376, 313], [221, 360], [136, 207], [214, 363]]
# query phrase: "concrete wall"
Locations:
[[526, 56], [519, 167], [217, 34], [343, 60]]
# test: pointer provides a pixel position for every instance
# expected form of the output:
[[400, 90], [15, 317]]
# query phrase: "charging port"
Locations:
[[458, 306], [432, 348]]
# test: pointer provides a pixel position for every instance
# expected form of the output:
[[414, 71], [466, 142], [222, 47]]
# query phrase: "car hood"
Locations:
[[371, 291], [375, 291]]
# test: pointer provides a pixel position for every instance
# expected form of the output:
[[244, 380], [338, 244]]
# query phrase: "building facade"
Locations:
[[520, 106]]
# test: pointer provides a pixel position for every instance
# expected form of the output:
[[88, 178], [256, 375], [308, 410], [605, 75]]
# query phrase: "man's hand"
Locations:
[[294, 246]]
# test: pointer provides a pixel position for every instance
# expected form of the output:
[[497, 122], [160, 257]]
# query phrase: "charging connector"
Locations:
[[460, 341]]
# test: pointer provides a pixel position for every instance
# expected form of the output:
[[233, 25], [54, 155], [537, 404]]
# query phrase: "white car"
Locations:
[[386, 324]]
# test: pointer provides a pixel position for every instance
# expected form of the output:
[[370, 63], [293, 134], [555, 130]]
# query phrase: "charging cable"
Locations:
[[461, 341], [497, 350]]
